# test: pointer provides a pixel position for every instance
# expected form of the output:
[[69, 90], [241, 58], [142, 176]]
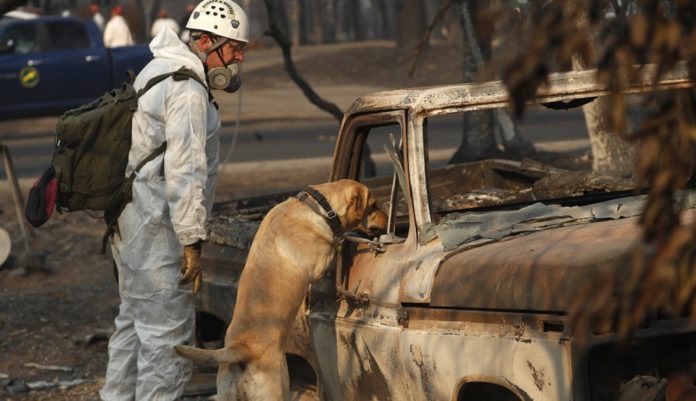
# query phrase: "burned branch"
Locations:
[[275, 32]]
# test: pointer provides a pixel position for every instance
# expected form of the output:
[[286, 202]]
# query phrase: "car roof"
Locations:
[[561, 87], [20, 14], [6, 18]]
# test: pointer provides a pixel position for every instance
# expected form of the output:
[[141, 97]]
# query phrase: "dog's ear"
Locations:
[[209, 356], [358, 203]]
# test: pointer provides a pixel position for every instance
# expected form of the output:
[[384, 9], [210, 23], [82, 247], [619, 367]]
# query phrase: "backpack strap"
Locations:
[[148, 159], [179, 75], [111, 216], [185, 73]]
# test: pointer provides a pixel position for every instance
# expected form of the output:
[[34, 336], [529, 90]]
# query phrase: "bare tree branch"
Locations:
[[428, 32], [279, 36]]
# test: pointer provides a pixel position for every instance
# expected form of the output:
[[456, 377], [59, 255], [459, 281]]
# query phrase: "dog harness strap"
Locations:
[[331, 216]]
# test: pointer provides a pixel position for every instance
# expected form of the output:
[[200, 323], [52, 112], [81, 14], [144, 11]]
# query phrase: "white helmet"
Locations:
[[222, 18]]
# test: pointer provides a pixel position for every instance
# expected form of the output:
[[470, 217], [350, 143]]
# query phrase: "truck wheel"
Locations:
[[303, 392]]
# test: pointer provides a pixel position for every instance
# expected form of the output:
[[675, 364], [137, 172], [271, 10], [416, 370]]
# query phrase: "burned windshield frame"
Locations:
[[508, 180]]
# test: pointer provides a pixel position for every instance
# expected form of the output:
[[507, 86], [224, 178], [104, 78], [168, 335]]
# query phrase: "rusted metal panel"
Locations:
[[419, 273], [416, 171], [535, 272], [377, 275], [438, 362], [347, 152], [561, 86], [359, 354], [222, 266], [367, 355], [422, 317], [491, 310]]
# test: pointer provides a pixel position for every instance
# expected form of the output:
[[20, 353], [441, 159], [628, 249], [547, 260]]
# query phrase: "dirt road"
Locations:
[[62, 316]]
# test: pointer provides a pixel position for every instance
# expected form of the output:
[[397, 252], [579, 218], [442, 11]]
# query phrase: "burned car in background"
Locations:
[[466, 297]]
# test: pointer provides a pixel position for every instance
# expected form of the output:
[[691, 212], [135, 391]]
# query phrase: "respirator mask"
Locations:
[[220, 78], [224, 78]]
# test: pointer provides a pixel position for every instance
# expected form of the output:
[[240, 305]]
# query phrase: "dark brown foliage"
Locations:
[[555, 39], [661, 278]]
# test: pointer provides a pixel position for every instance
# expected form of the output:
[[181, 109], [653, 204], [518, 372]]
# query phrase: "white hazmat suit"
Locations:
[[166, 214], [164, 23], [117, 33]]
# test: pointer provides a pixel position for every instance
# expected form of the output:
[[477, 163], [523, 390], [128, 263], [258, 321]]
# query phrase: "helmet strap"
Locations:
[[220, 56], [203, 55]]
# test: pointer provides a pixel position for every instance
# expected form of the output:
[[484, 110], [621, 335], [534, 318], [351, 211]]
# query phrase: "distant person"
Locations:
[[184, 20], [189, 10], [116, 32], [164, 22], [96, 15]]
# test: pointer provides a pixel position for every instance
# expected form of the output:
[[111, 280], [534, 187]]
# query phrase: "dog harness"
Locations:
[[331, 217], [312, 198]]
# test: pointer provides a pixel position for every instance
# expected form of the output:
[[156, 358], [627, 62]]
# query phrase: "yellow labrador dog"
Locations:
[[292, 249]]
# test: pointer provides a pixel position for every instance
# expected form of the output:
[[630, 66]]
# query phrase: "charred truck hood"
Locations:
[[537, 264]]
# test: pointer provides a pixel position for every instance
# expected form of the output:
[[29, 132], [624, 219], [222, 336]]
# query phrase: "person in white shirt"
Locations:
[[96, 16], [116, 32], [164, 22]]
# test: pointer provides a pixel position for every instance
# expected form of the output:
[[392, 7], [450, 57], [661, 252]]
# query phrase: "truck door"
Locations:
[[74, 70], [19, 76]]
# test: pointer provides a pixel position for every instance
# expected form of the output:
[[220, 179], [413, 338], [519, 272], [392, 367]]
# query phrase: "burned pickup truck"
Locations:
[[467, 295]]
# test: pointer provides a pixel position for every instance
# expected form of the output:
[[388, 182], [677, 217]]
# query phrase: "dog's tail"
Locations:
[[210, 356]]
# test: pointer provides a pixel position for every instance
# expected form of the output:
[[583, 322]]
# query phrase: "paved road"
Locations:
[[278, 123], [31, 141]]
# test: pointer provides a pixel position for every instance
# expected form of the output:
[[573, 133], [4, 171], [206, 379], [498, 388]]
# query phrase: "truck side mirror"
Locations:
[[7, 46]]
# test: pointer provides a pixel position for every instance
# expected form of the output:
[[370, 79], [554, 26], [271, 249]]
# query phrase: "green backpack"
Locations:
[[92, 146]]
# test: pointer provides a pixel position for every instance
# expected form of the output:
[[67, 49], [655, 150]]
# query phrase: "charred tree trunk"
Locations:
[[386, 22], [478, 139], [330, 21], [480, 47], [150, 10], [480, 127], [295, 22], [357, 25], [410, 24], [135, 13], [454, 30], [611, 155], [316, 12]]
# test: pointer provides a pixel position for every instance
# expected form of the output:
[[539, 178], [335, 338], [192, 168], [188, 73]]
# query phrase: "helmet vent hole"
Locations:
[[207, 13], [222, 15], [215, 14], [216, 27]]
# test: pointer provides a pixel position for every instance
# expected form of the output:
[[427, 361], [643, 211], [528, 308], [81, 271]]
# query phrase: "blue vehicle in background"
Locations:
[[52, 64]]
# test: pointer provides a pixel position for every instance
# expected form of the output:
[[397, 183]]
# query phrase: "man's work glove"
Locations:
[[191, 266]]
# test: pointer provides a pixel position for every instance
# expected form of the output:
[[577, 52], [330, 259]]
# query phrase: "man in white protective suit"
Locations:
[[116, 32], [157, 243], [163, 21]]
